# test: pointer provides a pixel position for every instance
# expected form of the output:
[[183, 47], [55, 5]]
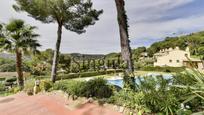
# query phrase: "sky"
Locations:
[[149, 21]]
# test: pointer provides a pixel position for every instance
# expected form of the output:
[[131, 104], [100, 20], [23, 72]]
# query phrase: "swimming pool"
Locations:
[[119, 82]]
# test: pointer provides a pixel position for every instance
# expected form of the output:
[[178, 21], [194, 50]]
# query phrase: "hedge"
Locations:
[[2, 78], [86, 74], [163, 69]]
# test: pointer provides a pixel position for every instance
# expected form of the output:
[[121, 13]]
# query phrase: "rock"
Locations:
[[121, 109]]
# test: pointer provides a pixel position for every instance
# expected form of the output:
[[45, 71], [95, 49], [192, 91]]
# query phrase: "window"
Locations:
[[177, 61], [170, 61]]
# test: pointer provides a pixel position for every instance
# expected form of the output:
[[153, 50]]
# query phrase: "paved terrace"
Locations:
[[21, 104]]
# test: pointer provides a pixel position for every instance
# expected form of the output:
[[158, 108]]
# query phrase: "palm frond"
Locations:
[[19, 35], [196, 85]]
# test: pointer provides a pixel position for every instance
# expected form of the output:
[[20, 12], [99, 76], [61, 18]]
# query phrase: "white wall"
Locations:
[[174, 55]]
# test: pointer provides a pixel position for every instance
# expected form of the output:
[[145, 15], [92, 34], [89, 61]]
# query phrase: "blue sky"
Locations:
[[149, 20]]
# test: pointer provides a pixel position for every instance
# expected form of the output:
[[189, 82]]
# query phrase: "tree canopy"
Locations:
[[194, 41], [74, 15], [18, 35]]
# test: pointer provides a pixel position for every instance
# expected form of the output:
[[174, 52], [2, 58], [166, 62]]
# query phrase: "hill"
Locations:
[[194, 41]]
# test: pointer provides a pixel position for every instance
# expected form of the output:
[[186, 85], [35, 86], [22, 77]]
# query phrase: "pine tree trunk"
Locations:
[[129, 78], [123, 28], [20, 79], [56, 54]]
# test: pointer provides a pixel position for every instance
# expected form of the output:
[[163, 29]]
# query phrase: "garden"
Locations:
[[180, 94], [118, 79]]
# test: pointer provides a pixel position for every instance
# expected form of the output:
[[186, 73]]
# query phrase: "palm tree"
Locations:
[[125, 42], [19, 38]]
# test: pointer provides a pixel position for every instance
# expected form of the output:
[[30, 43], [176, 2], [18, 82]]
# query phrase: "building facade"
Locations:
[[176, 58]]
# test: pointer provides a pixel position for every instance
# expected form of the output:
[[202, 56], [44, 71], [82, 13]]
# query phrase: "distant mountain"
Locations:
[[7, 56], [12, 56]]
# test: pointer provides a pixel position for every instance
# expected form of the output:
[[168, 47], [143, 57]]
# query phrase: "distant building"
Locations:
[[176, 58]]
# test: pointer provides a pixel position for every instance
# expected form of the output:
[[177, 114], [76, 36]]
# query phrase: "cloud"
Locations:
[[149, 20], [166, 28], [149, 10]]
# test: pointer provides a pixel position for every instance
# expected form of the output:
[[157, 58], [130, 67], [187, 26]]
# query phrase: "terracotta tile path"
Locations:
[[21, 104]]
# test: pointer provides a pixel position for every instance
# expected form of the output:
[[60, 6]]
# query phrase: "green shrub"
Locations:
[[163, 69], [46, 85], [94, 88], [8, 68], [97, 88], [158, 95], [190, 84], [68, 76], [152, 94], [2, 87], [90, 74], [15, 90], [184, 112], [71, 87], [10, 81], [29, 84], [2, 79], [129, 99]]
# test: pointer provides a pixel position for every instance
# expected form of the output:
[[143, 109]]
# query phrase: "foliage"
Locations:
[[2, 79], [44, 56], [152, 95], [94, 88], [129, 99], [112, 56], [97, 88], [192, 83], [9, 65], [20, 39], [62, 12], [86, 74], [65, 62], [8, 68], [40, 64], [6, 61], [46, 85], [29, 84], [137, 52], [129, 81], [15, 90], [201, 52], [194, 41], [163, 69], [71, 87], [2, 87], [10, 81], [73, 15], [158, 96], [39, 67], [164, 95]]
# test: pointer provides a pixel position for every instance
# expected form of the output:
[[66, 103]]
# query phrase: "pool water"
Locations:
[[119, 82]]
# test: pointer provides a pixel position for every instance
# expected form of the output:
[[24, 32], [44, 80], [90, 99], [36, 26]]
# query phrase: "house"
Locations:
[[177, 58]]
